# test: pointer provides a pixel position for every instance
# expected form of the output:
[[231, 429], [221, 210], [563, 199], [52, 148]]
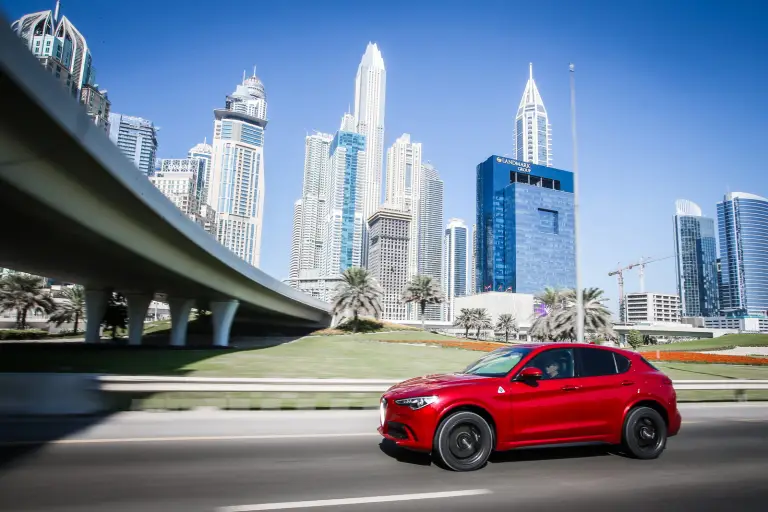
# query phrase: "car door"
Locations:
[[546, 410], [605, 386]]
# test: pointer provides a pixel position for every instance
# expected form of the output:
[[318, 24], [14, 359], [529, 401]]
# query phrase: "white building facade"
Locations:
[[431, 233], [389, 240], [204, 153], [403, 191], [652, 307], [532, 131], [236, 189]]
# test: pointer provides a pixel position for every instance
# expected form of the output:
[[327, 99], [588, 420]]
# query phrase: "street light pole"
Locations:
[[579, 292]]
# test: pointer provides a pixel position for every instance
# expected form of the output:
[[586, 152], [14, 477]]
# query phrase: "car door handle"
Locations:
[[571, 388], [627, 382]]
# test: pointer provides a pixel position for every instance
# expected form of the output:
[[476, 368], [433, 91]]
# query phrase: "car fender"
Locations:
[[446, 408]]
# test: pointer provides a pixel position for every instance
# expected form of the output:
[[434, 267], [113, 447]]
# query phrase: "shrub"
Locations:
[[363, 325], [26, 334]]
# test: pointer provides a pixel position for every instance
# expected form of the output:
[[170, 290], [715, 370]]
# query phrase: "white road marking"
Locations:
[[353, 501], [188, 438]]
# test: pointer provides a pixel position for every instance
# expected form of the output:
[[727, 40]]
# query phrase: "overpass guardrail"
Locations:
[[148, 384]]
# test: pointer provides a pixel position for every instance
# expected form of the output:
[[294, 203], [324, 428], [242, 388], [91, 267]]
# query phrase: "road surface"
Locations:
[[333, 460]]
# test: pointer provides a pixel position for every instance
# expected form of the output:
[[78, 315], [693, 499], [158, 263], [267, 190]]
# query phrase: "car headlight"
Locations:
[[418, 402]]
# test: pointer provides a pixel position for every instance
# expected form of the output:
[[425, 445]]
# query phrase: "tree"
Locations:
[[116, 315], [464, 319], [359, 293], [24, 293], [506, 322], [634, 338], [481, 320], [649, 340], [422, 290], [72, 309], [556, 318]]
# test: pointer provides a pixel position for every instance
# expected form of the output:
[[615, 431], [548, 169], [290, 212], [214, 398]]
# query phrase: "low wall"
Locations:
[[50, 394]]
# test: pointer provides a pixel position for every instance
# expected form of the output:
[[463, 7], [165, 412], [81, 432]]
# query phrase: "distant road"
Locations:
[[231, 461]]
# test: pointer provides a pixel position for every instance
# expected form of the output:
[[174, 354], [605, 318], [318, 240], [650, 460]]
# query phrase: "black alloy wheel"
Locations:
[[645, 433], [463, 441]]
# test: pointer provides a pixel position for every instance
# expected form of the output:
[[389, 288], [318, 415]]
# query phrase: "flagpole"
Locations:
[[579, 292]]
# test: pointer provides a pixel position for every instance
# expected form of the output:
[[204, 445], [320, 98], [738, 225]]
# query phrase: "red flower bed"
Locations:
[[698, 357]]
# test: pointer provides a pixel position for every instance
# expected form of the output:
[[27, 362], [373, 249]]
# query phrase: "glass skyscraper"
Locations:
[[525, 230], [743, 231], [695, 261]]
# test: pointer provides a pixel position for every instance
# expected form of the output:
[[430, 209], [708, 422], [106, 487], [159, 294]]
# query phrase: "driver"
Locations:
[[552, 369]]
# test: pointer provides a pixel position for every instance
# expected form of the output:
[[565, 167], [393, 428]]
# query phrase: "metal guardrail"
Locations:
[[146, 384]]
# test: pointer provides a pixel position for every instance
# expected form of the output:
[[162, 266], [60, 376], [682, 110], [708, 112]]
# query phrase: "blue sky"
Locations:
[[671, 98]]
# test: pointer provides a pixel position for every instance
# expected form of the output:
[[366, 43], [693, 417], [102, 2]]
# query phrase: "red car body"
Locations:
[[577, 408]]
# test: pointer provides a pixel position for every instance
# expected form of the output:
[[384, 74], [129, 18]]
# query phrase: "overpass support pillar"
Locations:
[[138, 304], [180, 309], [223, 314], [95, 309]]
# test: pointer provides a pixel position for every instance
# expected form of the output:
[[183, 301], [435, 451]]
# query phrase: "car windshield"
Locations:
[[498, 363]]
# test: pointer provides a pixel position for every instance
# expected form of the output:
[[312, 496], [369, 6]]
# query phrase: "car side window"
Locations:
[[595, 362], [554, 364], [622, 363]]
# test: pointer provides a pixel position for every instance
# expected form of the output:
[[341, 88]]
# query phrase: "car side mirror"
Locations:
[[529, 374]]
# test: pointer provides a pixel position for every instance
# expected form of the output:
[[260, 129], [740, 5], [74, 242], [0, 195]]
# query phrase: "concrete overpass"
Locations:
[[74, 208], [668, 329]]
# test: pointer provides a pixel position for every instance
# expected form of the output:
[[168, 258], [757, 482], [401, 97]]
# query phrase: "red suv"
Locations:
[[534, 394]]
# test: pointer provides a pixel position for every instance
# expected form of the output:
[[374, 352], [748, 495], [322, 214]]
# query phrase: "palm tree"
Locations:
[[597, 318], [506, 322], [73, 307], [481, 320], [423, 290], [359, 293], [464, 319], [556, 320], [24, 292]]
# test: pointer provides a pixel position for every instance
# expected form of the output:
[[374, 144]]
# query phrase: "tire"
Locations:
[[463, 441], [644, 435]]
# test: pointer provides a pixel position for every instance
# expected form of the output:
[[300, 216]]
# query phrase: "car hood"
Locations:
[[436, 382]]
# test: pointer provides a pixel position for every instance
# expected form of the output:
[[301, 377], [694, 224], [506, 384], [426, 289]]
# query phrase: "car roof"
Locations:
[[565, 344]]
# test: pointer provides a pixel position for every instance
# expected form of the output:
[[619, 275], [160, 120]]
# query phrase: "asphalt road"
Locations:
[[231, 462]]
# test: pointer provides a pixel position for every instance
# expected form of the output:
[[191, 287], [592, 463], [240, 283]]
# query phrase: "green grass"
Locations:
[[352, 356], [722, 343]]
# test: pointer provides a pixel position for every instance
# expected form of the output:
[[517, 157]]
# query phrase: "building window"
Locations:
[[548, 221]]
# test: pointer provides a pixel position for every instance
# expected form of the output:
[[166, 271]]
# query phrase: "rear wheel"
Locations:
[[645, 433], [463, 441]]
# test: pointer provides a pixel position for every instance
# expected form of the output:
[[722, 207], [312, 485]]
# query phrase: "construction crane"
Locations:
[[620, 273]]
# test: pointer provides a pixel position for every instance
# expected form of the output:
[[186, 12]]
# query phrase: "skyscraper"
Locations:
[[137, 139], [370, 99], [309, 251], [455, 268], [404, 190], [63, 51], [473, 263], [328, 219], [389, 240], [532, 133], [742, 220], [343, 224], [696, 261], [525, 229], [203, 152], [431, 232], [193, 166], [236, 190]]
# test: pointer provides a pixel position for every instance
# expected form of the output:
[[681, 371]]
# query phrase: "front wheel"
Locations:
[[463, 441], [645, 433]]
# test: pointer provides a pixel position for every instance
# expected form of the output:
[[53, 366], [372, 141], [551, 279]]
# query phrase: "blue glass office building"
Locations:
[[525, 232], [743, 231], [696, 261], [348, 197]]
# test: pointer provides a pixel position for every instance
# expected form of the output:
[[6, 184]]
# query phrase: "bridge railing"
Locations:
[[150, 384]]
